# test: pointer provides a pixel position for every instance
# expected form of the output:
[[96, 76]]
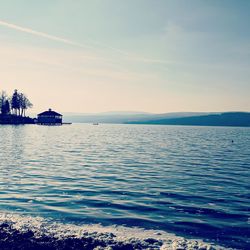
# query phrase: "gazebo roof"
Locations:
[[49, 113]]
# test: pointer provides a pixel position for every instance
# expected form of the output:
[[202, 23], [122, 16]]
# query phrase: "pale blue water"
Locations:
[[190, 181]]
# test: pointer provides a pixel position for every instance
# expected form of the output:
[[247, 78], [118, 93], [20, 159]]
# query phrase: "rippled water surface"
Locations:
[[190, 181]]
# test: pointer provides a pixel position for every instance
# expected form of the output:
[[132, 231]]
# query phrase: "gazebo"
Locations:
[[49, 118]]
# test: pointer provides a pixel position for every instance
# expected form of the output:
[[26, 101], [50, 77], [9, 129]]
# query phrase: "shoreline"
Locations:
[[15, 120], [26, 232]]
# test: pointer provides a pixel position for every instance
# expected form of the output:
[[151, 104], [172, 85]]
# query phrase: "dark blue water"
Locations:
[[189, 181]]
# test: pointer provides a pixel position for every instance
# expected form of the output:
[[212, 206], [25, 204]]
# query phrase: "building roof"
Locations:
[[49, 113]]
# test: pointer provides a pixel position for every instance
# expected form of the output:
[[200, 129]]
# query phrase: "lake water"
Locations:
[[191, 182]]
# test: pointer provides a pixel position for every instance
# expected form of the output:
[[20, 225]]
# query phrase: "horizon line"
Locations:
[[144, 112]]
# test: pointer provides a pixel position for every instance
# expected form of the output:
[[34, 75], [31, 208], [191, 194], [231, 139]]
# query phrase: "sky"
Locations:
[[90, 56]]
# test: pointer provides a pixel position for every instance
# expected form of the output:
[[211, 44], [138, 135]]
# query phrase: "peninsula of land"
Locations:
[[15, 120]]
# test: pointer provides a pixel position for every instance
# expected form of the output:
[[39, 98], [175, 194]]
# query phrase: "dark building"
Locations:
[[49, 117]]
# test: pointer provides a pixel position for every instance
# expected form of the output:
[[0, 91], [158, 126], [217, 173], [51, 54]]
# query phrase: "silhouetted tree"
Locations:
[[15, 102], [3, 102], [7, 107], [18, 103]]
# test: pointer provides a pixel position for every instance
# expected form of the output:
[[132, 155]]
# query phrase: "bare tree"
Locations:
[[24, 104], [7, 107], [15, 102]]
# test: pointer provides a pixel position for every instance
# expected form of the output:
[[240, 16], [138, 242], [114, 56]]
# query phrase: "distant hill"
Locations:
[[123, 117], [240, 119], [104, 118]]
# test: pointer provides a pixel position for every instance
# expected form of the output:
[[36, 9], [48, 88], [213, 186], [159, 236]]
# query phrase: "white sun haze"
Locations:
[[93, 56]]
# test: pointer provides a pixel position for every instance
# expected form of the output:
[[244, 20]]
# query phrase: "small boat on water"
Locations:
[[95, 123]]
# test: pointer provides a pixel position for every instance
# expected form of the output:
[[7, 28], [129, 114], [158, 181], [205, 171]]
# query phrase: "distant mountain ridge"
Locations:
[[174, 118], [239, 119], [123, 117]]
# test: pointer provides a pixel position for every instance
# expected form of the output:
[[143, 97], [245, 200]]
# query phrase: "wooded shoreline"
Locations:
[[15, 120], [13, 108]]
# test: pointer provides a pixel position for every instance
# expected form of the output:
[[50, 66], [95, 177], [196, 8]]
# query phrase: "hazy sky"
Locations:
[[133, 55]]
